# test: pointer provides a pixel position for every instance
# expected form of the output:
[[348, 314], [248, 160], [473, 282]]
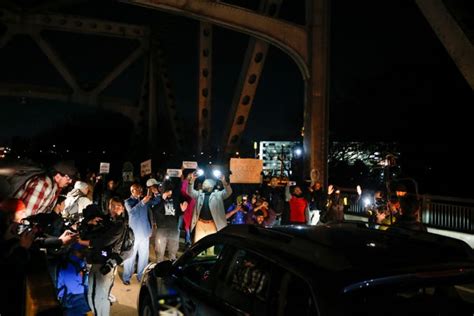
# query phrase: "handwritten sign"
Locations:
[[104, 167], [145, 168], [246, 170], [190, 165], [173, 173]]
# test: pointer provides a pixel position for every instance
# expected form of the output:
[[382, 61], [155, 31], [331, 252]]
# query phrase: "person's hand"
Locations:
[[146, 198], [330, 189], [222, 178], [26, 239], [166, 195], [68, 237], [184, 206], [380, 216], [95, 221]]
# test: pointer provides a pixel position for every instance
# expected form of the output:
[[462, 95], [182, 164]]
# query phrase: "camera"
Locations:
[[24, 226], [110, 264], [87, 231]]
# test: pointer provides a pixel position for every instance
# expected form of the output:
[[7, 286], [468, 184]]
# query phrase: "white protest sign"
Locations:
[[145, 168], [190, 165], [246, 170], [173, 173], [104, 167]]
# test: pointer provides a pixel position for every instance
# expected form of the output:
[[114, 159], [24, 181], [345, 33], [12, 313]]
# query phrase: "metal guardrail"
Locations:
[[447, 213]]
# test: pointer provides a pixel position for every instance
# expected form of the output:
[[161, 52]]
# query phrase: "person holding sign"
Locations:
[[209, 213]]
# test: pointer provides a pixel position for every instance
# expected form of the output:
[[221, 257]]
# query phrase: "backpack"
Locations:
[[13, 175], [127, 242]]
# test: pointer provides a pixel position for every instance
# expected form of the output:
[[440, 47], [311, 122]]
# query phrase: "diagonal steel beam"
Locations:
[[291, 38], [57, 62], [451, 35], [247, 85], [120, 68]]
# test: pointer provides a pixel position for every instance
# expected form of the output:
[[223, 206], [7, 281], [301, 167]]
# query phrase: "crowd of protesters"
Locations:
[[87, 216]]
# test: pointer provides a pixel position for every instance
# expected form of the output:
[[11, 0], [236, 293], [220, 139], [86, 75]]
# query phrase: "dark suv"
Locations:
[[337, 269]]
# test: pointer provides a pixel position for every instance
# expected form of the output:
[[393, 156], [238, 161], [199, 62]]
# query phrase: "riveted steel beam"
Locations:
[[249, 78], [205, 86], [70, 23], [291, 38]]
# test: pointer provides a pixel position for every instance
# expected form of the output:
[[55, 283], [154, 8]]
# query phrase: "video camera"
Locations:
[[113, 260], [88, 231], [39, 223]]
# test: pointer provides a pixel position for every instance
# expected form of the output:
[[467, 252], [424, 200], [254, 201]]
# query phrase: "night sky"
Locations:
[[390, 80]]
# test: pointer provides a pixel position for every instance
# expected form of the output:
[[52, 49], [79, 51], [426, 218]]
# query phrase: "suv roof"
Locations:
[[354, 246]]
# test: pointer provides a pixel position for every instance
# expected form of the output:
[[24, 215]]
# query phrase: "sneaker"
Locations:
[[112, 298], [126, 282]]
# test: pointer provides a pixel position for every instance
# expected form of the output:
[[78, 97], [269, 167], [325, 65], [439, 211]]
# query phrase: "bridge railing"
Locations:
[[447, 213]]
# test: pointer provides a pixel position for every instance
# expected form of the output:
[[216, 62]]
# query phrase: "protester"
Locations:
[[209, 213]]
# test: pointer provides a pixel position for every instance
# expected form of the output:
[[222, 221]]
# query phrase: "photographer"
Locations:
[[103, 234], [20, 257]]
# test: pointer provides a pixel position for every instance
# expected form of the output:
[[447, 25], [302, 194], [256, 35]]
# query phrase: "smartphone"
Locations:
[[150, 193]]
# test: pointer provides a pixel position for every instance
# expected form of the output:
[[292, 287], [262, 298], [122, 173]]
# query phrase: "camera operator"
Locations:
[[21, 238], [103, 237], [25, 232]]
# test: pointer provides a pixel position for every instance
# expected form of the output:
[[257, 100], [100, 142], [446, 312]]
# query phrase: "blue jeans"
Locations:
[[140, 248]]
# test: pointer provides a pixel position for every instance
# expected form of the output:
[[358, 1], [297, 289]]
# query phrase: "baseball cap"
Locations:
[[66, 168], [151, 182]]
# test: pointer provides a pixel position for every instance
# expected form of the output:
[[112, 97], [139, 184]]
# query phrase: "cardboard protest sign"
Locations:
[[173, 173], [190, 165], [104, 167], [245, 170], [145, 168]]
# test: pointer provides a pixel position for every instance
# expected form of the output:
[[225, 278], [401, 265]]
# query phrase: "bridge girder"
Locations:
[[290, 38], [451, 35], [307, 46]]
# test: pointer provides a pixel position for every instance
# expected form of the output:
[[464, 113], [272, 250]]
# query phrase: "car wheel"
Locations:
[[146, 306]]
